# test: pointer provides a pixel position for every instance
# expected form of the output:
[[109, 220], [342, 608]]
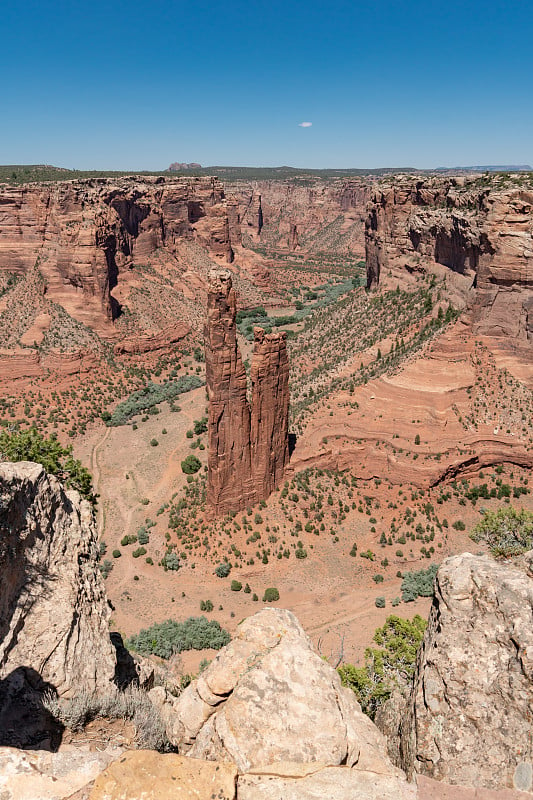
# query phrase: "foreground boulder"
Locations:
[[53, 609], [268, 697], [469, 717]]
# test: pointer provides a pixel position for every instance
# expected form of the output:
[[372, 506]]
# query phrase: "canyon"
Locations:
[[394, 313]]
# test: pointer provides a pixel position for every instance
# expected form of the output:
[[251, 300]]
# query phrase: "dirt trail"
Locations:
[[95, 469]]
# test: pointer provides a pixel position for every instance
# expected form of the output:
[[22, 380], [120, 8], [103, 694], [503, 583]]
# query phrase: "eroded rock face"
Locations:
[[53, 609], [248, 447], [82, 235], [484, 233], [468, 719], [270, 411], [268, 697], [313, 216], [230, 484]]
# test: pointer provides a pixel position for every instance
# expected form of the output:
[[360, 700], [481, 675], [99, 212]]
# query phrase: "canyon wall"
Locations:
[[248, 446], [479, 229], [81, 235], [308, 215]]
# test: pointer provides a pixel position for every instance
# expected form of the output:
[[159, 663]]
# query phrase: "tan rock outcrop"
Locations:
[[53, 609], [313, 781], [468, 718], [481, 232], [41, 775], [269, 697], [153, 776], [248, 448]]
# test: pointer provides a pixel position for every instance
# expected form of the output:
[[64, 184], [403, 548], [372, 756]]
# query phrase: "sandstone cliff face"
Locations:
[[230, 484], [248, 448], [270, 411], [484, 233], [468, 718], [313, 216], [83, 234], [53, 609]]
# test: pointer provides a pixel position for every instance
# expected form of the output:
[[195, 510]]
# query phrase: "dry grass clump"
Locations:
[[132, 704]]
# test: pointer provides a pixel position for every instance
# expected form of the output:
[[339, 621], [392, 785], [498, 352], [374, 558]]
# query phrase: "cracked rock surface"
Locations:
[[269, 697]]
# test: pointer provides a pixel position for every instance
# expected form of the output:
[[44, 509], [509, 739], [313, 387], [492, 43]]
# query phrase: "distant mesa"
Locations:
[[177, 166]]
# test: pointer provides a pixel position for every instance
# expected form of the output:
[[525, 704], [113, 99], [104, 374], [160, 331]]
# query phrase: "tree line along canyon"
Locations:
[[266, 522]]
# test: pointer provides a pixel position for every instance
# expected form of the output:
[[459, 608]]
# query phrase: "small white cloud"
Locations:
[[305, 124]]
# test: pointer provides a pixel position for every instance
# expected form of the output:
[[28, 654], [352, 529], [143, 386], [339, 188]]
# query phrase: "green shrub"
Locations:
[[190, 465], [106, 567], [140, 551], [206, 605], [165, 638], [459, 525], [116, 554], [380, 602], [508, 531], [154, 442], [418, 584], [142, 535], [200, 425], [271, 595], [236, 586], [57, 460], [387, 666], [150, 396], [170, 561], [128, 539], [223, 569]]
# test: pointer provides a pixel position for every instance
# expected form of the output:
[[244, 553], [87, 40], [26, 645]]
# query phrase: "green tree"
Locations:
[[507, 531], [190, 465], [387, 666], [57, 460]]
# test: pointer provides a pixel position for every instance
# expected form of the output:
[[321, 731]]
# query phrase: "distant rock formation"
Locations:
[[85, 236], [468, 717], [248, 447], [176, 166], [313, 216], [481, 232]]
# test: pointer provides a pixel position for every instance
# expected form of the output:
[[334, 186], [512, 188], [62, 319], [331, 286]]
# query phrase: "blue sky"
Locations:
[[131, 85]]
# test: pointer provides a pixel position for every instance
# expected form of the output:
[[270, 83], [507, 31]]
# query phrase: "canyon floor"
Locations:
[[407, 419]]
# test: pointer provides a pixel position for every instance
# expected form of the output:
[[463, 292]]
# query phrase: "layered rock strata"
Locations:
[[312, 216], [270, 411], [481, 232], [468, 717], [81, 235], [248, 445], [230, 484]]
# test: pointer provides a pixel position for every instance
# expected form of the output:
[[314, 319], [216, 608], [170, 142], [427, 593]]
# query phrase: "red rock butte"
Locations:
[[248, 442]]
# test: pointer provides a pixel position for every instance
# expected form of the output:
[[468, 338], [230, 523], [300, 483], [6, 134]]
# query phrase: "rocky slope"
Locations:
[[248, 443], [479, 229], [468, 717]]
